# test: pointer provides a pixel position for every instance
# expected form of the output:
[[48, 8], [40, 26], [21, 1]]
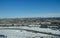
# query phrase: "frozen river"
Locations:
[[10, 33]]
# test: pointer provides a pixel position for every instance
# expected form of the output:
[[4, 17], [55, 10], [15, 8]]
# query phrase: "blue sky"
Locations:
[[29, 8]]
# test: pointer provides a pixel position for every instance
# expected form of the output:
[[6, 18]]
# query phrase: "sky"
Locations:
[[29, 8]]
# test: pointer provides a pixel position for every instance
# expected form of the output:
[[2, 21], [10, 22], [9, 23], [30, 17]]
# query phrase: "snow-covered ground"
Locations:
[[47, 30], [25, 34]]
